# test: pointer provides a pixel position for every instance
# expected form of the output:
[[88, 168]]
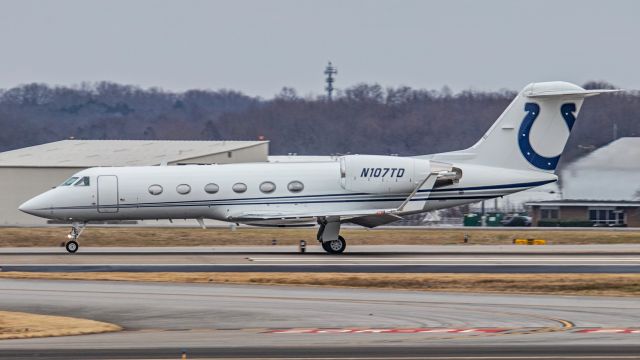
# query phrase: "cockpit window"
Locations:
[[70, 181], [84, 181]]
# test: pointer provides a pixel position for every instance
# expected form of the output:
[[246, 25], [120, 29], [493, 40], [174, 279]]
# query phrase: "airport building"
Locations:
[[30, 171], [584, 213]]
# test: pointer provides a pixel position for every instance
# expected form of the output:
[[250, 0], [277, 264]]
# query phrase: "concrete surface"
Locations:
[[472, 259], [213, 320], [628, 249]]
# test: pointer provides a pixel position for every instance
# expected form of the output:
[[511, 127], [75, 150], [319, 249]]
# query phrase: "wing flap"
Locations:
[[372, 221], [286, 216]]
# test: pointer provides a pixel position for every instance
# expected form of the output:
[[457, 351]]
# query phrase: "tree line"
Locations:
[[364, 118]]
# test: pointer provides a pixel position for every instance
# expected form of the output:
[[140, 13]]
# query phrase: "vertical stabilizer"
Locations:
[[532, 132]]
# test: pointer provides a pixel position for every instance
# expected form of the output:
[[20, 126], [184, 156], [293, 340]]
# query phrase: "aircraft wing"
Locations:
[[367, 218]]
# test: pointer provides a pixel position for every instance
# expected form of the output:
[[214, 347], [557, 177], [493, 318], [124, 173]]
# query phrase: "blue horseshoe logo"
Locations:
[[535, 159]]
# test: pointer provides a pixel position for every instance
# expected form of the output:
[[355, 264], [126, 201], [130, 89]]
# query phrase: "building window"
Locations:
[[606, 216], [183, 189], [239, 187], [295, 186], [267, 187], [155, 189], [229, 154], [211, 188], [549, 214]]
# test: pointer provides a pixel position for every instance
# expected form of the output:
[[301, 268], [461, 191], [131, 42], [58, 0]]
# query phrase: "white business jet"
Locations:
[[520, 151]]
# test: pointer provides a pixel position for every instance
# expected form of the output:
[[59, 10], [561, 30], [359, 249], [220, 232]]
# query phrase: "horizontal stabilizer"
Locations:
[[546, 93]]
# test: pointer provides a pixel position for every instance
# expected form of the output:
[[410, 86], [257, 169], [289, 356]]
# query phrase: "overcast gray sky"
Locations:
[[260, 46]]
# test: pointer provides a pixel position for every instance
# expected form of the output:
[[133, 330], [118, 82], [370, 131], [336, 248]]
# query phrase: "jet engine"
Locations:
[[378, 174]]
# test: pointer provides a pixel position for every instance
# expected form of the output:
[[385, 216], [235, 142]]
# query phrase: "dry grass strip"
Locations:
[[557, 284], [19, 325], [245, 236]]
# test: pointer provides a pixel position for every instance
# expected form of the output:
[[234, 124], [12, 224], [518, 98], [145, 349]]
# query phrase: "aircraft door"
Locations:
[[108, 194]]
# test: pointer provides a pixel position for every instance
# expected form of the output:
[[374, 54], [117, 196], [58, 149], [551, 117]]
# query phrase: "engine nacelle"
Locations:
[[377, 174]]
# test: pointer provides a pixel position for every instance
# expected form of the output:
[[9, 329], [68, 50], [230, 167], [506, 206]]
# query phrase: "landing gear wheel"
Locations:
[[325, 246], [335, 246], [76, 230], [72, 246]]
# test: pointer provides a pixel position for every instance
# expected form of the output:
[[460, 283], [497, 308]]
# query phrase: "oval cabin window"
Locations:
[[267, 187], [183, 189], [211, 188], [155, 189], [239, 187], [295, 186]]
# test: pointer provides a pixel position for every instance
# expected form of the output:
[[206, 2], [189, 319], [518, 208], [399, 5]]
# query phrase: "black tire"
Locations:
[[71, 246], [335, 246], [325, 246]]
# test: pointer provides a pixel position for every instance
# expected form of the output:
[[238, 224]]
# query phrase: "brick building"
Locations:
[[584, 213]]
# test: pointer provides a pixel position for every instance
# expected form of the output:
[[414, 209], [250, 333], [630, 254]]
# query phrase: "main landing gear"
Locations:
[[334, 246], [328, 236], [72, 244]]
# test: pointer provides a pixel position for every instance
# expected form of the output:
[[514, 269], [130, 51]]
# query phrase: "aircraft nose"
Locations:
[[34, 206]]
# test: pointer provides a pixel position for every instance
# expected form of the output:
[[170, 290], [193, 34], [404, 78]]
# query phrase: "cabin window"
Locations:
[[267, 187], [84, 181], [70, 181], [211, 188], [295, 186], [155, 189], [183, 189], [239, 187]]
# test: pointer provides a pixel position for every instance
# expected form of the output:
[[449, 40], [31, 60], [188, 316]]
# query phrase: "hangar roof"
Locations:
[[90, 153]]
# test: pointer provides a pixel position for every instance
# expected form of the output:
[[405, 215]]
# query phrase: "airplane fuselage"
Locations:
[[189, 191]]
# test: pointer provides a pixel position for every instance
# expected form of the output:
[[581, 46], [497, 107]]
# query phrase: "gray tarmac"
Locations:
[[629, 249], [233, 321], [374, 259], [236, 321]]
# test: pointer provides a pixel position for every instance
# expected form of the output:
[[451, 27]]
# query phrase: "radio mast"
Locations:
[[330, 71]]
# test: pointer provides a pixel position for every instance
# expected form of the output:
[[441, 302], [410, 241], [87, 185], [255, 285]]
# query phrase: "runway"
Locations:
[[618, 259], [323, 268], [238, 321]]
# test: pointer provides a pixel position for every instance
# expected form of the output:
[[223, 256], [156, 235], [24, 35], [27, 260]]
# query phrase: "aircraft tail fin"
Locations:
[[532, 132]]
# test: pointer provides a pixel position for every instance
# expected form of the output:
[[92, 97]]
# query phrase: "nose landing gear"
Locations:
[[72, 244]]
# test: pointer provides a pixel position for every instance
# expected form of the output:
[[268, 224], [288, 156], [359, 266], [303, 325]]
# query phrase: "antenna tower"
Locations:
[[330, 71]]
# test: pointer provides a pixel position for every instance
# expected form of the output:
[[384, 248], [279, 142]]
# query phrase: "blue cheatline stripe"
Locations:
[[136, 206], [311, 199], [306, 198], [494, 187]]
